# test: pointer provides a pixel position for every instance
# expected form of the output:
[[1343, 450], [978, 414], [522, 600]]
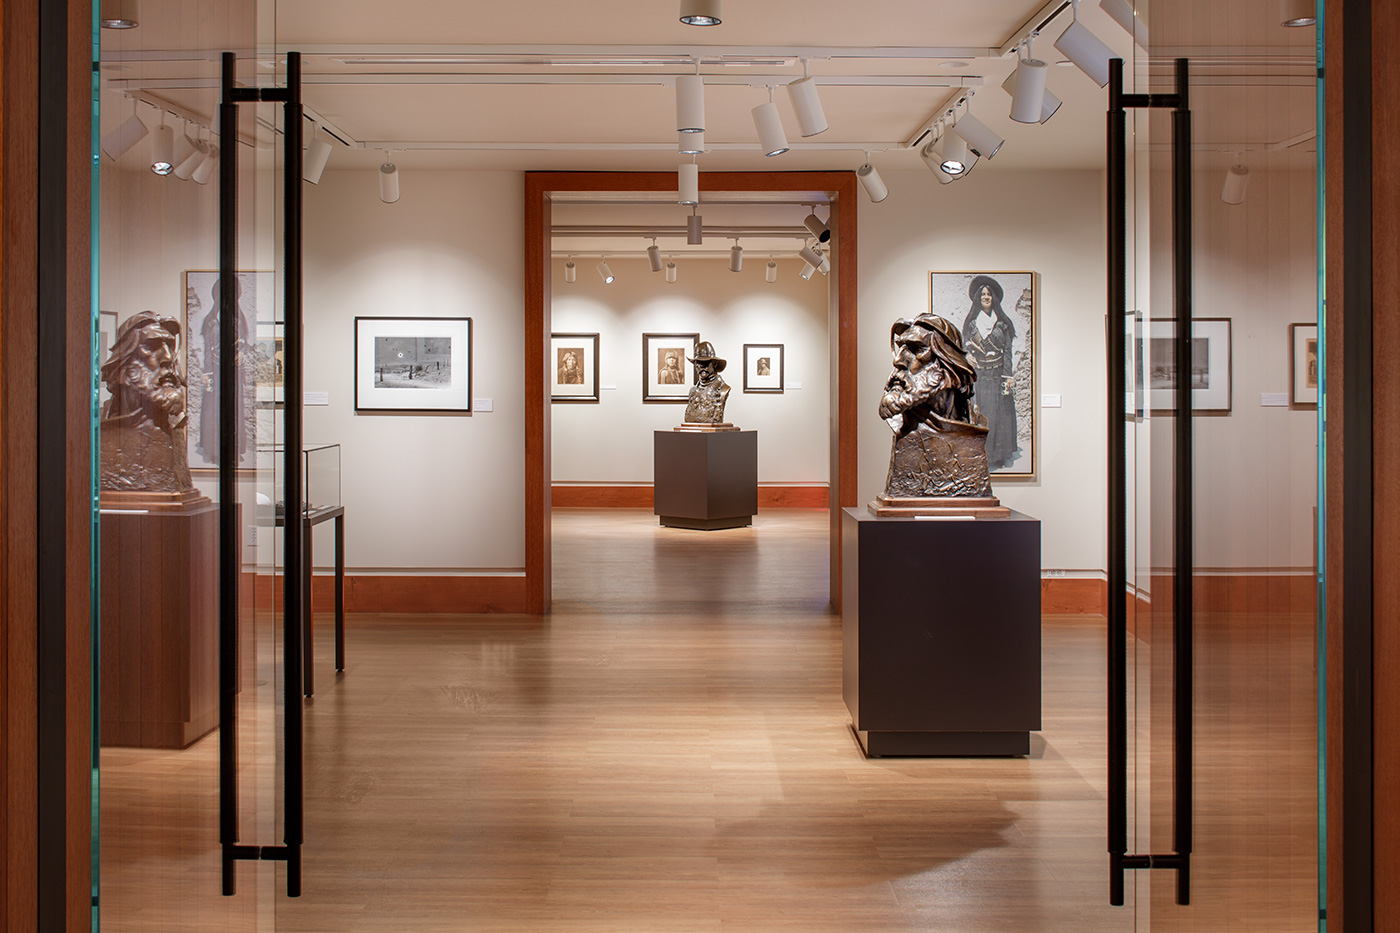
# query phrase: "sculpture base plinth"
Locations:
[[704, 428], [159, 619], [888, 507], [706, 480]]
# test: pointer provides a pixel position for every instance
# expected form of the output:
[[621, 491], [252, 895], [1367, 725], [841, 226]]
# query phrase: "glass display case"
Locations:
[[320, 477]]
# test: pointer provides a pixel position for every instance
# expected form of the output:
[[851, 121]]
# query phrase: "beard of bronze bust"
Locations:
[[939, 448], [143, 425]]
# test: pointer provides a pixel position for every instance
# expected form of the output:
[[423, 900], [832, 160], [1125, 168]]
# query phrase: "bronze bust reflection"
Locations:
[[710, 392], [143, 424], [938, 461]]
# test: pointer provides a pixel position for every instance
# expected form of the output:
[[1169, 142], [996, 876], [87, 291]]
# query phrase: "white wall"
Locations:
[[1050, 223], [611, 441], [439, 492]]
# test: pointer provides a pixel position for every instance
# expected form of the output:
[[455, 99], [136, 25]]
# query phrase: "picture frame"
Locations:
[[763, 368], [268, 359], [420, 365], [1210, 367], [1135, 377], [257, 308], [1004, 351], [106, 339], [1304, 366], [574, 358], [661, 354]]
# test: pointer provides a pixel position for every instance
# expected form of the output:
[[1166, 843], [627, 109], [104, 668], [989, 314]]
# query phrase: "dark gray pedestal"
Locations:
[[941, 633], [706, 480]]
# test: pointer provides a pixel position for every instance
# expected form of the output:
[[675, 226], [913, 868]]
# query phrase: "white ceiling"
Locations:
[[451, 84]]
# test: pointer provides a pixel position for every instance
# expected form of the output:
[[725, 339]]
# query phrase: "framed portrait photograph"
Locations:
[[574, 358], [269, 361], [1209, 378], [1303, 365], [996, 314], [257, 310], [665, 372], [413, 364], [763, 367]]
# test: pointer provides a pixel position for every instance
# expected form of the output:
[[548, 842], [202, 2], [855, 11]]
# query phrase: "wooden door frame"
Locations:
[[539, 188]]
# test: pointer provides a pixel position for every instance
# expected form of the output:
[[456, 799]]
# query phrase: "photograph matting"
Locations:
[[763, 367], [1210, 365], [413, 364], [574, 360]]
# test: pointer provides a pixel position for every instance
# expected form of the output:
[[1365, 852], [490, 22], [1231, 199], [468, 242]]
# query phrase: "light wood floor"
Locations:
[[669, 751]]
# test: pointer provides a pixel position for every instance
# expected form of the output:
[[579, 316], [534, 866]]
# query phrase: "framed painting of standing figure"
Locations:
[[996, 314], [574, 358]]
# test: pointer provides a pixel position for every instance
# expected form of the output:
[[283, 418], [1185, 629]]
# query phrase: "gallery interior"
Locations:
[[609, 606]]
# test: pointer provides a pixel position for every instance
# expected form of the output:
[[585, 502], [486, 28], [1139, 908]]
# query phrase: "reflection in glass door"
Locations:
[[1251, 474], [169, 626]]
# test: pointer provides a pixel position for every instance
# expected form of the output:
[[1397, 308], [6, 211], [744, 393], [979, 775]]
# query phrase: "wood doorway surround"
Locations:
[[840, 187]]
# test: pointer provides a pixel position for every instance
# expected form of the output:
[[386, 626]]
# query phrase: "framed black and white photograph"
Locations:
[[257, 309], [413, 364], [1209, 379], [106, 339], [574, 358], [763, 367], [1303, 365], [1135, 381], [996, 314], [665, 372], [270, 361]]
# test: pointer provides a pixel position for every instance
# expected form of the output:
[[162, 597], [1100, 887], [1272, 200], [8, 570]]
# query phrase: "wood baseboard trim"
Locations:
[[1073, 595], [417, 593], [640, 497]]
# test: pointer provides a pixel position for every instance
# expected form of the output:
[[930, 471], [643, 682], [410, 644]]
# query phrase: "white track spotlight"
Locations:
[[771, 138], [694, 229], [700, 12], [1085, 49], [810, 255], [870, 181], [736, 257], [825, 267], [770, 274], [1236, 183], [981, 140], [1123, 15], [163, 149], [806, 104], [388, 181], [313, 161], [690, 143], [118, 142], [605, 272], [934, 161], [814, 225], [1049, 102], [1298, 12], [570, 271], [671, 271], [688, 183], [957, 158], [119, 14], [205, 169], [690, 104], [186, 166], [1028, 100], [654, 256], [808, 270]]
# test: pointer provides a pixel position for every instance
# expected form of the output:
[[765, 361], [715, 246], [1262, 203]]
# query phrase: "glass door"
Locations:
[[1222, 511], [190, 646]]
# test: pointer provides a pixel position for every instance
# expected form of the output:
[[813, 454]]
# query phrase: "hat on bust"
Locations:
[[705, 353]]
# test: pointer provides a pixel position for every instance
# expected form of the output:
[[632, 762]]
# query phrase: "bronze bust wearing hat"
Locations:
[[710, 392]]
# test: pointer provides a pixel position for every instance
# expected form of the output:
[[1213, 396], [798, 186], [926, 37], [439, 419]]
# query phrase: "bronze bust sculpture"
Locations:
[[938, 461], [710, 392], [143, 424]]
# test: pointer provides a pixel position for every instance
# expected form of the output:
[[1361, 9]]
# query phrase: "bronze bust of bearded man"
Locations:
[[143, 425], [938, 462]]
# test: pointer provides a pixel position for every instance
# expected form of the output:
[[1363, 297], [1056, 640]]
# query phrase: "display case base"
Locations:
[[943, 744], [706, 480], [706, 524]]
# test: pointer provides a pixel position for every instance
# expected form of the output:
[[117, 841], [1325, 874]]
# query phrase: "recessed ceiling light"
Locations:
[[953, 64]]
